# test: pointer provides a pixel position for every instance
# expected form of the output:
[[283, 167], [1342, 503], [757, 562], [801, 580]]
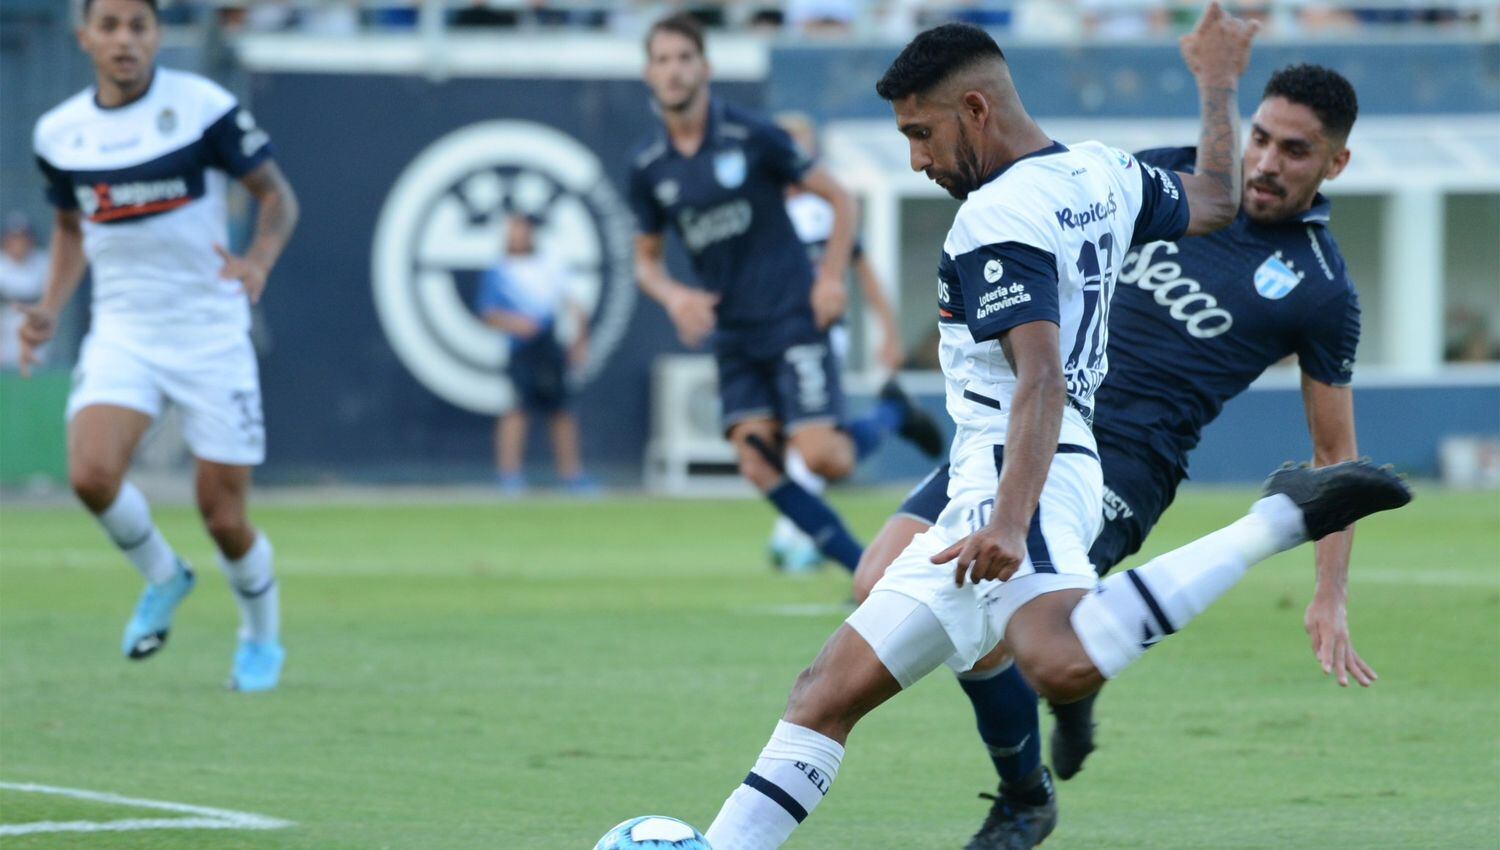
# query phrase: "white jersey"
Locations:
[[1043, 240], [149, 178]]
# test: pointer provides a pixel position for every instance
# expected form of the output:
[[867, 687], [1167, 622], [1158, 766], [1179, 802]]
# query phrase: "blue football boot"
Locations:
[[148, 627], [257, 666]]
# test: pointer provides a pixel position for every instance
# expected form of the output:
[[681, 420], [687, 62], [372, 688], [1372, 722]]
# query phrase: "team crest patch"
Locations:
[[1276, 278], [166, 122], [993, 271], [666, 192], [729, 168]]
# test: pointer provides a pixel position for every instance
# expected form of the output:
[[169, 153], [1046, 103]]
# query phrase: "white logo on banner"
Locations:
[[443, 219]]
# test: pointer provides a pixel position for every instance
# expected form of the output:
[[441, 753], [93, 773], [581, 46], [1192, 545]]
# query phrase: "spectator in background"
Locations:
[[1469, 339], [23, 276], [822, 17], [486, 13], [524, 297]]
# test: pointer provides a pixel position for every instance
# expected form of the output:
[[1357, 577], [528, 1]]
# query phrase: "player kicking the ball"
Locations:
[[1192, 324], [1024, 285], [136, 167]]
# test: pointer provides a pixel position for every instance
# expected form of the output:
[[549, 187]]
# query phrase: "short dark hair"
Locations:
[[933, 56], [155, 10], [1323, 90], [682, 23]]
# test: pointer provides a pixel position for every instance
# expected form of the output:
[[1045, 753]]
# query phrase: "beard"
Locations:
[[1285, 204], [965, 177], [682, 104]]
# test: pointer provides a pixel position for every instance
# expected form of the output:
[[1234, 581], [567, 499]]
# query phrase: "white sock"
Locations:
[[128, 523], [253, 581], [1133, 610], [796, 469], [792, 775]]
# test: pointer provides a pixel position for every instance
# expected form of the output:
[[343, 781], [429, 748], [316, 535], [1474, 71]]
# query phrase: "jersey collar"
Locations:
[[1055, 147], [150, 86], [710, 128], [1319, 212]]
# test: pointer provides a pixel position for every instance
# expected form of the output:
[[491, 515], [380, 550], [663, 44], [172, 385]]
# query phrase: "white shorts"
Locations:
[[973, 617], [212, 378]]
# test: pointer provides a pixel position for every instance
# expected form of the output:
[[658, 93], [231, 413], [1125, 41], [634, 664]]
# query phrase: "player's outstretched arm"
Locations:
[[64, 273], [1330, 423], [1217, 51], [274, 224], [691, 310], [830, 296], [1036, 412]]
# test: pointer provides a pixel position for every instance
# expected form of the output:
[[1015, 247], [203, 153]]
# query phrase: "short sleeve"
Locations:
[[235, 143], [59, 188], [1006, 284], [1326, 346], [492, 294], [648, 215], [782, 158], [1164, 206]]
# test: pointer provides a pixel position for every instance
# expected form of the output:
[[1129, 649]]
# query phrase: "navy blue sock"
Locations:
[[1005, 706], [818, 521], [869, 431]]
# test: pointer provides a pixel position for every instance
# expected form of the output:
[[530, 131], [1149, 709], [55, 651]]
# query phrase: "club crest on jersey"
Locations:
[[729, 168], [666, 192], [1276, 278], [166, 122], [993, 271], [437, 228]]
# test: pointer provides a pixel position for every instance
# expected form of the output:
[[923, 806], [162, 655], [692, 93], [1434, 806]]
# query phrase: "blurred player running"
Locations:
[[1024, 285], [1192, 324], [136, 167], [812, 218], [718, 176]]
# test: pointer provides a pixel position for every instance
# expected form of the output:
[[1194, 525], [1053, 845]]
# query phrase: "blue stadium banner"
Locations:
[[374, 363]]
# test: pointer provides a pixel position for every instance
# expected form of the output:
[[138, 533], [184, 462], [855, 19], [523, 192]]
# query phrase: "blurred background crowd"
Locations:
[[814, 19]]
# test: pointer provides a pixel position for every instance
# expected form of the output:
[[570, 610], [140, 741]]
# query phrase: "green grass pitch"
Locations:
[[525, 675]]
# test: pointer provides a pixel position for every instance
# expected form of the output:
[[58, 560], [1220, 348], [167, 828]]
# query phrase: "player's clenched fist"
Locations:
[[1218, 48], [692, 311], [37, 328]]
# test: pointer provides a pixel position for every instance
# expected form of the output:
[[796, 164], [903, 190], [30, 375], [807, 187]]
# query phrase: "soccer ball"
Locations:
[[653, 832]]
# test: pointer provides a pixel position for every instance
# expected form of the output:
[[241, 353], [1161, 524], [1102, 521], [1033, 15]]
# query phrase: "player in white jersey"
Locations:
[[1027, 269], [137, 168]]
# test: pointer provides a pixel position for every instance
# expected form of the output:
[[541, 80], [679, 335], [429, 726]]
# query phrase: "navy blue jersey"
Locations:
[[728, 204], [1194, 322]]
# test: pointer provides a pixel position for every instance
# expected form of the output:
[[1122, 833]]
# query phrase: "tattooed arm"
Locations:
[[1217, 52]]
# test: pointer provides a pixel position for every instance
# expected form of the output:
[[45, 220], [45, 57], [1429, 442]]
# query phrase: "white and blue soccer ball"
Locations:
[[653, 832]]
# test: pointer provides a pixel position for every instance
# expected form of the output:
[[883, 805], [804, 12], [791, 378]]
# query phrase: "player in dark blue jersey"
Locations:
[[1192, 324], [718, 176]]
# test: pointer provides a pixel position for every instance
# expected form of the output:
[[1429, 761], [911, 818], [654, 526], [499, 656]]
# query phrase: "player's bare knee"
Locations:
[[1062, 678], [828, 456], [95, 484]]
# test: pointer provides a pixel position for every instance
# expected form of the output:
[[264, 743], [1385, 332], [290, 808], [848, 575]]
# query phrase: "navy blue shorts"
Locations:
[[793, 378], [538, 369], [928, 498], [1130, 509]]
